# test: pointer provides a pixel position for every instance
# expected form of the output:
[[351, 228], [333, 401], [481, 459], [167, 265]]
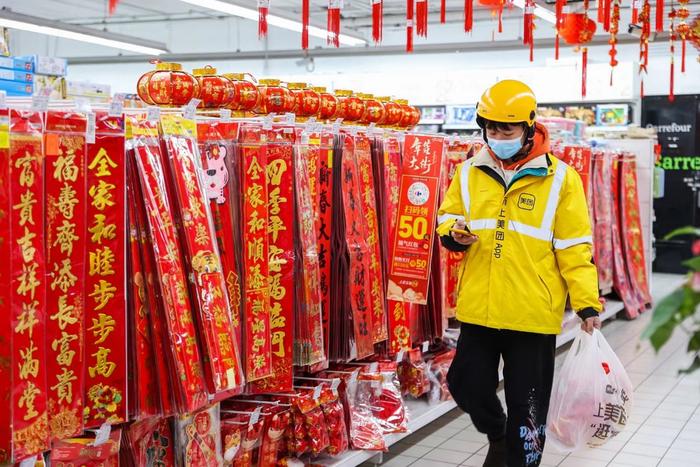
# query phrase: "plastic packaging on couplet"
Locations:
[[186, 368], [151, 442], [87, 451], [198, 438]]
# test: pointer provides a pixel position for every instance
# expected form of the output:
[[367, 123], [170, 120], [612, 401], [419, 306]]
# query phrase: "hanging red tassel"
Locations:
[[671, 96], [641, 89], [443, 11], [659, 15], [683, 55], [409, 25], [635, 11], [113, 6], [584, 69], [556, 47], [606, 16], [559, 8], [377, 20], [333, 26], [601, 11], [672, 39], [422, 18], [500, 16], [529, 26], [468, 15], [305, 24], [263, 8]]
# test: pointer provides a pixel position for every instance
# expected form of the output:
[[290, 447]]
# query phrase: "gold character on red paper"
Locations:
[[64, 386], [64, 279], [102, 163], [101, 261], [28, 281], [102, 195], [254, 196], [258, 306], [258, 344], [28, 366], [64, 167], [254, 169], [103, 367], [277, 321], [67, 201], [275, 170], [278, 342], [102, 327], [258, 325], [27, 400], [62, 346], [256, 279], [102, 293], [65, 236], [276, 226], [256, 250], [255, 224], [202, 235], [26, 208], [276, 200], [25, 244], [225, 344], [277, 291], [100, 230], [27, 319], [259, 362], [26, 177], [275, 260], [196, 209], [64, 315]]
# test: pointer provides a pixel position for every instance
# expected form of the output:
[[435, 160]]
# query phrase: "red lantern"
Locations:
[[329, 104], [352, 108], [392, 112], [410, 116], [274, 98], [577, 28], [167, 85], [246, 94], [496, 7], [306, 101], [374, 110], [215, 91]]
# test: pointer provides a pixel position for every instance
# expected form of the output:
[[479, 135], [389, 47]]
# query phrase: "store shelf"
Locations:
[[421, 414]]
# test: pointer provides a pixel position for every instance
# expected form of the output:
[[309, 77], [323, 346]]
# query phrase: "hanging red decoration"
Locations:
[[578, 29], [635, 11], [334, 7], [694, 33], [443, 11], [645, 21], [614, 29], [305, 24], [659, 15], [468, 15], [529, 26], [377, 20], [409, 25], [604, 14], [113, 6], [263, 8], [422, 18], [672, 41], [496, 7], [558, 11], [683, 29]]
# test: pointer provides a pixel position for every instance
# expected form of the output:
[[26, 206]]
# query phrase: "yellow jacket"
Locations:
[[534, 244]]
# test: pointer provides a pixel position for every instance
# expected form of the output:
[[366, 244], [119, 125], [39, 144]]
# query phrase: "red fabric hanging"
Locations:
[[377, 20], [635, 11], [305, 24], [683, 54], [500, 17], [333, 27], [112, 6], [422, 18], [263, 7], [443, 11], [528, 27], [606, 15], [409, 25], [558, 11], [601, 11], [659, 15], [468, 15], [584, 66]]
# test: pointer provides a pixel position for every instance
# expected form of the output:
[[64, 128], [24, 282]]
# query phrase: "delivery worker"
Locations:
[[520, 216]]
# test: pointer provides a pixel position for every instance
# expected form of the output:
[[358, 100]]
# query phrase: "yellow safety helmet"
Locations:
[[508, 101]]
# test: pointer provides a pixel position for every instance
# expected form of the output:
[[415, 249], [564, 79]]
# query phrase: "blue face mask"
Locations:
[[504, 149]]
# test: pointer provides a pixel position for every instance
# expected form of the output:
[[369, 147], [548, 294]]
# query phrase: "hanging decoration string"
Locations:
[[645, 21], [529, 26], [333, 27], [305, 24], [584, 70], [614, 29], [468, 15], [672, 41], [683, 29], [635, 11], [422, 18], [558, 10], [377, 20], [112, 6], [659, 15], [443, 11], [409, 25], [263, 8]]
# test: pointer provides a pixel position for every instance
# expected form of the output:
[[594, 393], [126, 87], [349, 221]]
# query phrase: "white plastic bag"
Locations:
[[592, 398]]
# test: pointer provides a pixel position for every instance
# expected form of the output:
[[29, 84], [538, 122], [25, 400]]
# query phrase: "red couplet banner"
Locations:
[[409, 271]]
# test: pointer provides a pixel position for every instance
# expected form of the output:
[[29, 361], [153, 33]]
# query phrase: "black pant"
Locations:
[[528, 371]]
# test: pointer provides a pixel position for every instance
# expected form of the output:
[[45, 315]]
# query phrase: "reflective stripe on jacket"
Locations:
[[534, 248]]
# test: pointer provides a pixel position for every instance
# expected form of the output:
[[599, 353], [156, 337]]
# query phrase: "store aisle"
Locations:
[[664, 429]]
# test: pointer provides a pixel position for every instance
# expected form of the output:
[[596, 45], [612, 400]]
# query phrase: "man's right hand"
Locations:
[[460, 238]]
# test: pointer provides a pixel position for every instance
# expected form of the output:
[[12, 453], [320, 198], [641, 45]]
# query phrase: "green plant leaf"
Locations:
[[693, 366], [664, 311], [694, 344], [662, 334], [683, 231], [693, 263]]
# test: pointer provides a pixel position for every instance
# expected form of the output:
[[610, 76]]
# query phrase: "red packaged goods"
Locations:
[[413, 374], [64, 188], [87, 452], [105, 317], [388, 406], [5, 270], [308, 403], [603, 219], [151, 442], [365, 431], [334, 415], [437, 372], [199, 442]]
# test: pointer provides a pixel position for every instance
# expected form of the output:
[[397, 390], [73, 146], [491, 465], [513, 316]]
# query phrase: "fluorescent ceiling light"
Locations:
[[10, 19], [540, 12], [273, 20]]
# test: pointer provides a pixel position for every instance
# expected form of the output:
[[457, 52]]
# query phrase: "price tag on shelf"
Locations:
[[263, 3], [255, 416], [40, 103], [153, 113], [102, 434], [267, 122], [334, 386], [3, 100], [290, 118], [30, 462], [399, 356], [82, 105], [116, 107], [91, 124], [225, 115], [317, 392], [373, 367], [336, 126], [189, 110], [426, 346]]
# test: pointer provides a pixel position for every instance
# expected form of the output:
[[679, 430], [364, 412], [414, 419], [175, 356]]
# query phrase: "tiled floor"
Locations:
[[664, 428]]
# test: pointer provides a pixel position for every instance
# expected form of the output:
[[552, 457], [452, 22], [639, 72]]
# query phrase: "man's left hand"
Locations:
[[590, 324]]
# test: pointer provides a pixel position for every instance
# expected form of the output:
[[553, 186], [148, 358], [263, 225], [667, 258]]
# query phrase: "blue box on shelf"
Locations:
[[16, 75], [16, 88], [18, 63]]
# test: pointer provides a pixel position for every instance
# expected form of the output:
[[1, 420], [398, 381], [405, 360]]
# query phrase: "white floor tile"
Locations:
[[595, 454], [430, 441], [469, 447], [578, 462], [638, 460], [446, 432], [653, 440], [415, 450], [471, 435], [446, 455], [688, 445], [475, 461], [645, 449], [431, 463], [399, 461]]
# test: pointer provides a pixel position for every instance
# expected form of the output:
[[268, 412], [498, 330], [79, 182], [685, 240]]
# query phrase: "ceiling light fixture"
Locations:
[[12, 20], [540, 11], [273, 20]]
